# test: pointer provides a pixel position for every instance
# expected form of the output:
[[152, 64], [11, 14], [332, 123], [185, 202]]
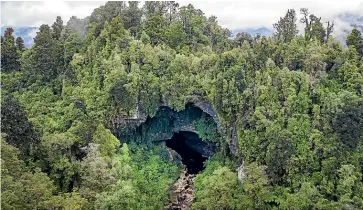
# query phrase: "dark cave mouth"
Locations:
[[192, 159]]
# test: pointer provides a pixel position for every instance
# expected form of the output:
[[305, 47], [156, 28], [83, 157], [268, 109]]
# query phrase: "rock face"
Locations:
[[175, 157], [207, 149], [233, 146], [208, 108], [161, 127], [240, 173]]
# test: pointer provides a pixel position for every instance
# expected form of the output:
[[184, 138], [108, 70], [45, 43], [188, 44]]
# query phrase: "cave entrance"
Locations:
[[182, 142]]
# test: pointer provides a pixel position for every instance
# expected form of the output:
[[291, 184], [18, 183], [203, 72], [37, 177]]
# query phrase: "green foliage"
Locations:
[[96, 173], [45, 55], [314, 28], [57, 28], [278, 152], [286, 28], [219, 190], [305, 198], [355, 39], [206, 129], [256, 192], [152, 177], [289, 106], [122, 196], [143, 180], [19, 42], [348, 125], [9, 52], [16, 126], [108, 143], [21, 188]]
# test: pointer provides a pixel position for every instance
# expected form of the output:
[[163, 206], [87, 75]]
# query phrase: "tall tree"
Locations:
[[78, 25], [286, 27], [355, 39], [348, 125], [57, 28], [314, 28], [9, 53], [329, 29], [20, 44], [72, 43], [155, 27], [106, 13], [131, 17], [15, 124], [47, 54]]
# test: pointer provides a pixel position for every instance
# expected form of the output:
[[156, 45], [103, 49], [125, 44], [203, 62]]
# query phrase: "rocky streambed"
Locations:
[[182, 194]]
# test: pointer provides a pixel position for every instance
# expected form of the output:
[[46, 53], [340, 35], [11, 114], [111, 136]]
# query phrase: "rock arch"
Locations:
[[176, 129]]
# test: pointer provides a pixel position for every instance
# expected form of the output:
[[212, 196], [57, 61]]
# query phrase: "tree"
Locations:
[[108, 143], [121, 195], [38, 188], [20, 44], [72, 44], [348, 125], [60, 159], [15, 124], [131, 17], [155, 28], [67, 201], [356, 40], [286, 27], [78, 26], [145, 38], [57, 28], [314, 28], [217, 191], [11, 171], [305, 198], [241, 38], [9, 53], [152, 8], [217, 35], [152, 177], [47, 56], [105, 14], [278, 153], [96, 174], [256, 192], [329, 30], [20, 188]]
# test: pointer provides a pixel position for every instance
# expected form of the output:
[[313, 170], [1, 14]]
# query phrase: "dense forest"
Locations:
[[287, 133]]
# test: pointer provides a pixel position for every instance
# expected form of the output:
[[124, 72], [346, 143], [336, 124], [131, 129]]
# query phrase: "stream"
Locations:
[[182, 195]]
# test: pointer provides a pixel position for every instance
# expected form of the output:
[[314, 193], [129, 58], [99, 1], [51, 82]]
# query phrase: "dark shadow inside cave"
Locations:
[[192, 159]]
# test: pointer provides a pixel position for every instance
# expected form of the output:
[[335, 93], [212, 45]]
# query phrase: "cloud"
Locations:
[[230, 14], [38, 13], [33, 32], [255, 14]]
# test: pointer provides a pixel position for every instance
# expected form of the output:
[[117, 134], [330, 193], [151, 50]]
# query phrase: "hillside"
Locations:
[[157, 107]]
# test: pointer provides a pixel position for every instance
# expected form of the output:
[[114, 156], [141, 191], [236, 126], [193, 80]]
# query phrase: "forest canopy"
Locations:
[[290, 110]]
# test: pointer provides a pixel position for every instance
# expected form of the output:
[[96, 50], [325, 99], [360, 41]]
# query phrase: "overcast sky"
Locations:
[[230, 14]]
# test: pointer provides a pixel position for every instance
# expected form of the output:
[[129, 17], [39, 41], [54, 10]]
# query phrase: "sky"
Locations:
[[231, 14]]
